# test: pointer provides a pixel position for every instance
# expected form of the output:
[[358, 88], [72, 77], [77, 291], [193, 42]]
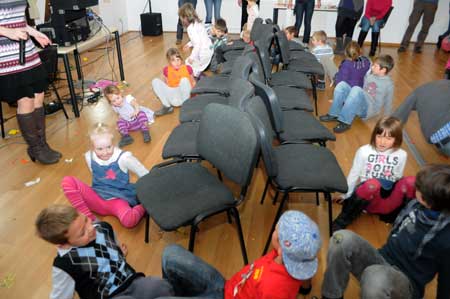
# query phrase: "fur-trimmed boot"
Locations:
[[36, 151], [39, 118], [351, 209], [374, 44], [347, 40], [339, 49]]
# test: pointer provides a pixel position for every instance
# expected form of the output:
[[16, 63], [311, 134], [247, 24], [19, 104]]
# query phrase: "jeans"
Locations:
[[365, 25], [180, 25], [189, 275], [304, 9], [445, 149], [209, 9], [428, 10], [146, 288], [348, 102], [349, 253]]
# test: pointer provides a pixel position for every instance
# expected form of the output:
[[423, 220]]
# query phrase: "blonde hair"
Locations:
[[111, 89], [353, 50], [187, 11], [53, 222], [100, 129], [320, 36]]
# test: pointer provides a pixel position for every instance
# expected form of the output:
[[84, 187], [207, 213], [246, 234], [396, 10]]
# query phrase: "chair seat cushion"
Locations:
[[287, 78], [305, 65], [182, 142], [308, 167], [174, 195], [214, 84], [293, 98], [192, 109], [301, 125]]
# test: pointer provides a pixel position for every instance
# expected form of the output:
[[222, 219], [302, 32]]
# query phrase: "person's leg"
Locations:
[[429, 12], [244, 14], [384, 282], [340, 95], [123, 127], [39, 119], [146, 288], [217, 6], [184, 91], [299, 11], [309, 10], [350, 28], [162, 91], [179, 24], [208, 9], [347, 253], [354, 105], [365, 26], [79, 194], [340, 31], [189, 275], [414, 18]]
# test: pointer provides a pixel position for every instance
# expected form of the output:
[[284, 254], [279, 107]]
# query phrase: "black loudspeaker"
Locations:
[[151, 24]]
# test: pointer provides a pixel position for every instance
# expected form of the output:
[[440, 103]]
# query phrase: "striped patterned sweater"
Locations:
[[12, 15]]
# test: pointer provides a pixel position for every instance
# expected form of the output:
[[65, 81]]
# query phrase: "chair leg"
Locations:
[[192, 237], [330, 211], [219, 174], [314, 90], [265, 191], [317, 198], [2, 121], [275, 221], [235, 213], [59, 100], [147, 228], [229, 217], [275, 198]]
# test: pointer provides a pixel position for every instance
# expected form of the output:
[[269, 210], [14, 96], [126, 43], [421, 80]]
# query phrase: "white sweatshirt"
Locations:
[[369, 163]]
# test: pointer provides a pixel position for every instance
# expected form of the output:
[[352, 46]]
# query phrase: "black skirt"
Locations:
[[13, 87]]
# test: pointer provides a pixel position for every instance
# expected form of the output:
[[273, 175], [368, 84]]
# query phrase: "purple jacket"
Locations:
[[353, 72]]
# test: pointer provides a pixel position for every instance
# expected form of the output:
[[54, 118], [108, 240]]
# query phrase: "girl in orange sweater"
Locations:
[[177, 84]]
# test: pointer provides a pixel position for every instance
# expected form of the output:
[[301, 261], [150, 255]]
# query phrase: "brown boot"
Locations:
[[39, 119], [35, 150]]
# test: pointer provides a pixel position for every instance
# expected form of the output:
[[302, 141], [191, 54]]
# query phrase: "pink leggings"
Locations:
[[370, 190], [85, 200]]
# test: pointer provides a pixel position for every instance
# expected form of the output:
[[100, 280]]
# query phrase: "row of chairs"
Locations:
[[231, 127]]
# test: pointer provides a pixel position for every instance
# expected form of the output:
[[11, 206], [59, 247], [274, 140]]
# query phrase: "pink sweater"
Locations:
[[377, 8]]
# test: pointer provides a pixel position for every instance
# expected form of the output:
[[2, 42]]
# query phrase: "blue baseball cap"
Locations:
[[299, 238]]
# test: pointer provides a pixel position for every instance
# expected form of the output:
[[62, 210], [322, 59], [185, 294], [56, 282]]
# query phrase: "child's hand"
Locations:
[[372, 20], [189, 60], [124, 249], [186, 48], [135, 113]]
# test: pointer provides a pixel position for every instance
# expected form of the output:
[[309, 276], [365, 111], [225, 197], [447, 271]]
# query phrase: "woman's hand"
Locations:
[[40, 37], [372, 20], [14, 33], [240, 3], [124, 249]]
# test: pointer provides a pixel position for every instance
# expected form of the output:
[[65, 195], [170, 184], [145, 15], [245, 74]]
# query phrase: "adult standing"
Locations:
[[209, 4], [180, 25], [349, 12], [443, 35], [244, 15], [427, 9], [24, 83], [304, 9]]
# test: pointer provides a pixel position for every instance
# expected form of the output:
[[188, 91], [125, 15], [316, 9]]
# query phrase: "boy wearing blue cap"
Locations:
[[278, 274]]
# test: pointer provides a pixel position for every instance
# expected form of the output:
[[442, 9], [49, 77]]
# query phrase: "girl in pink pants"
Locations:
[[375, 182], [111, 192]]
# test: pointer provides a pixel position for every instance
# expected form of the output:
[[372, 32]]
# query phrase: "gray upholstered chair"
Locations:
[[295, 167], [177, 194]]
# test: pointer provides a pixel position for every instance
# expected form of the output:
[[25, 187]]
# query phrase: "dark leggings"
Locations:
[[345, 25]]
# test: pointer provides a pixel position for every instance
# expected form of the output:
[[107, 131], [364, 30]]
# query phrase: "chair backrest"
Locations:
[[228, 140], [283, 46], [241, 67], [271, 101], [263, 55], [49, 59], [260, 118], [257, 68], [240, 90]]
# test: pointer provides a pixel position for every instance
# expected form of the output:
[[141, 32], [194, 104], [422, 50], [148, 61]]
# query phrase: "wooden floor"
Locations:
[[25, 260]]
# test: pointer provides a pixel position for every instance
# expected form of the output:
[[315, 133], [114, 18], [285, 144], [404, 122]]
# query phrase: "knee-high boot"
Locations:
[[374, 44], [362, 37], [39, 118], [35, 150], [339, 49]]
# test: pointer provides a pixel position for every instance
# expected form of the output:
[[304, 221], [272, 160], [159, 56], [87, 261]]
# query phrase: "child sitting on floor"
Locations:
[[219, 38], [354, 67], [325, 55], [111, 192], [132, 116], [375, 182], [199, 41], [365, 102], [177, 84], [90, 260], [278, 274]]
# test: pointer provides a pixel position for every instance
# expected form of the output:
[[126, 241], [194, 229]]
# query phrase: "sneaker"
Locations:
[[125, 140], [341, 127], [327, 118], [418, 50], [401, 49], [164, 110], [147, 137], [178, 42], [320, 85]]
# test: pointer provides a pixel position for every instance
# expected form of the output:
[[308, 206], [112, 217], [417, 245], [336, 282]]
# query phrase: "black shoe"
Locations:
[[164, 110], [320, 85], [439, 43], [341, 127], [125, 140], [178, 42], [418, 50], [327, 118], [146, 136], [304, 291]]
